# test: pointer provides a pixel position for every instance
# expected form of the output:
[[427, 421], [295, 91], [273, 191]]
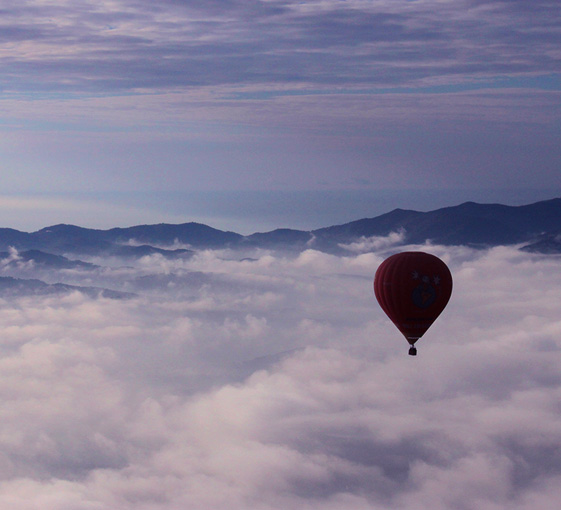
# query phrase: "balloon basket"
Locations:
[[412, 351]]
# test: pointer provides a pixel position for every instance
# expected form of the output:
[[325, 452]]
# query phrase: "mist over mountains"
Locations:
[[536, 225], [56, 258]]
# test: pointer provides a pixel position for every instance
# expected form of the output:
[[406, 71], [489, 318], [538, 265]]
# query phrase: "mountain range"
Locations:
[[54, 253], [536, 226]]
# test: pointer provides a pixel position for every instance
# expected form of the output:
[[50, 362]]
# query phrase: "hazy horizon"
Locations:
[[244, 212]]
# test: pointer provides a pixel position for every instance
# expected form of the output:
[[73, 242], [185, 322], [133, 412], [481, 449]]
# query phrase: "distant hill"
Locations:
[[537, 225], [41, 259], [73, 239], [465, 224], [547, 243], [13, 287]]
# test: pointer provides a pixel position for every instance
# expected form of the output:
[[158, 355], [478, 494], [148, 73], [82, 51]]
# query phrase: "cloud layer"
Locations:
[[134, 44], [257, 380]]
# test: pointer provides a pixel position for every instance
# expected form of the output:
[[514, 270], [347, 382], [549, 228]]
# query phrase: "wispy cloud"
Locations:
[[271, 95], [133, 45]]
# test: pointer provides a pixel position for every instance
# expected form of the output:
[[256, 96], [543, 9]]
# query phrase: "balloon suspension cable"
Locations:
[[412, 348]]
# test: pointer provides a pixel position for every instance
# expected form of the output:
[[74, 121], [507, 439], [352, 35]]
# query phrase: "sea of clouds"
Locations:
[[273, 381]]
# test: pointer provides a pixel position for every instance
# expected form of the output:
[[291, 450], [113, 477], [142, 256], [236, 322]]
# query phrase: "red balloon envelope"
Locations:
[[413, 288]]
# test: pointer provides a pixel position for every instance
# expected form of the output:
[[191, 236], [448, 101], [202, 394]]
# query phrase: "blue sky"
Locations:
[[133, 98]]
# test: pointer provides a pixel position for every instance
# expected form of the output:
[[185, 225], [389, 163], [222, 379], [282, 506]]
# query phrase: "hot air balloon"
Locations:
[[413, 288]]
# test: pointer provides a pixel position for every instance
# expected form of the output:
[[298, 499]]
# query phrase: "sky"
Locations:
[[120, 112], [259, 380]]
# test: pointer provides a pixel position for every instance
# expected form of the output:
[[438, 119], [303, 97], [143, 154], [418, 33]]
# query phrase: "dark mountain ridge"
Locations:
[[41, 259], [131, 241], [468, 223], [167, 235]]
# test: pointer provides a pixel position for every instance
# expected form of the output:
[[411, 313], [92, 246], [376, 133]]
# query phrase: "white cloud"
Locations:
[[279, 383], [376, 243]]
